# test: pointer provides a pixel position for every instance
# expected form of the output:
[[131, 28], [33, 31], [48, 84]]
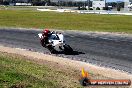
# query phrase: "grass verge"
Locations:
[[65, 21], [17, 72]]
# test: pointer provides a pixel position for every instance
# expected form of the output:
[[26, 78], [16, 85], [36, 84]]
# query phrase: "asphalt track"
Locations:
[[102, 50]]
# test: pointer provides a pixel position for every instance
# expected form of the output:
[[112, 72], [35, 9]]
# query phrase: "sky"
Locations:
[[113, 0], [106, 0]]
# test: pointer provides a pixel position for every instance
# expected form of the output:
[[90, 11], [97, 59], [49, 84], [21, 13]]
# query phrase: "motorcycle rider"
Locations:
[[44, 40]]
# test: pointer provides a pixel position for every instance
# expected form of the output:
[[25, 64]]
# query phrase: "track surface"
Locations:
[[103, 50]]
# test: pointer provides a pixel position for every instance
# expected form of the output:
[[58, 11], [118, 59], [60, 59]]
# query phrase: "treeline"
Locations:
[[78, 4], [48, 2], [115, 4]]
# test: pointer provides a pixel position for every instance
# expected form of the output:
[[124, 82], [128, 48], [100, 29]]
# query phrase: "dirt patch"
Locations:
[[70, 67]]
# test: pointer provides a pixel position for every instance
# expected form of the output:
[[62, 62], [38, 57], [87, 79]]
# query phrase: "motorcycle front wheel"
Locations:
[[67, 49], [52, 50]]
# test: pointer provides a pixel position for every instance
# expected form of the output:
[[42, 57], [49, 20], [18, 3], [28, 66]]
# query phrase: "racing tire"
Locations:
[[52, 50], [68, 49]]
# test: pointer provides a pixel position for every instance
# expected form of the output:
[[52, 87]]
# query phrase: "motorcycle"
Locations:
[[57, 43]]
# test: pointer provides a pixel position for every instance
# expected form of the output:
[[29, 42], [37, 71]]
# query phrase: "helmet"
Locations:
[[46, 32]]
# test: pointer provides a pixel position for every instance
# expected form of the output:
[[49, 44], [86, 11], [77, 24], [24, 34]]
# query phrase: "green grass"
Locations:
[[16, 71], [65, 21]]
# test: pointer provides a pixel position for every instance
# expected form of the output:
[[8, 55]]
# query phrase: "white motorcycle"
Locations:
[[57, 43]]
